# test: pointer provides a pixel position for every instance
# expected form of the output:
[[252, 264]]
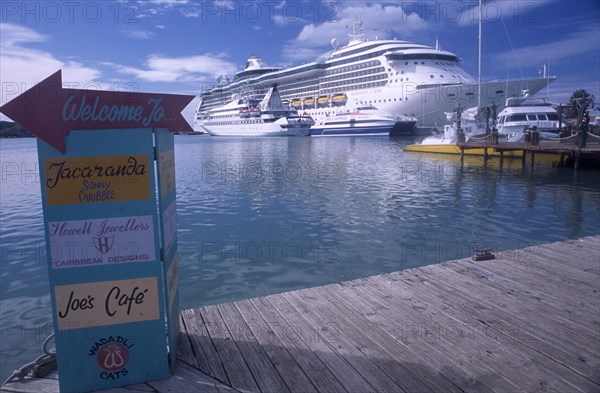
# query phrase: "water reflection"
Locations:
[[260, 216]]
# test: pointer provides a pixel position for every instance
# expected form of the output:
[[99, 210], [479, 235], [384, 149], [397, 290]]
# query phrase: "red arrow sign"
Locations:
[[50, 112]]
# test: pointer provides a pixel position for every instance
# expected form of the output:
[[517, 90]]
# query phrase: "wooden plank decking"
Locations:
[[528, 321]]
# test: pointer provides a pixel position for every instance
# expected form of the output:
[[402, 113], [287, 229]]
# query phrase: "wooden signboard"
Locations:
[[107, 170]]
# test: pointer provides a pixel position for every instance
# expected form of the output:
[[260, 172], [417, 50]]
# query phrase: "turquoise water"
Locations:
[[261, 216]]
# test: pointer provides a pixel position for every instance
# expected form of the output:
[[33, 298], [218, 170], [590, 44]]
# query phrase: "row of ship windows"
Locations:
[[375, 102], [353, 67], [354, 80], [386, 100], [531, 117], [220, 123], [297, 91], [308, 84], [293, 88], [307, 88], [358, 58], [447, 63], [371, 71], [372, 64], [370, 102], [431, 75], [334, 88], [354, 74], [352, 84], [221, 116], [453, 76]]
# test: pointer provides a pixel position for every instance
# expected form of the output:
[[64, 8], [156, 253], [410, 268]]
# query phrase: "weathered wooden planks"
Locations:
[[528, 321]]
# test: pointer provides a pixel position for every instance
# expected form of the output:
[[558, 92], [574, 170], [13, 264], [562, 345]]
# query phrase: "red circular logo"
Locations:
[[112, 356]]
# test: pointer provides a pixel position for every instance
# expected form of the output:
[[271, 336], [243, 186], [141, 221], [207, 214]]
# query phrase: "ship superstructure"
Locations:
[[399, 77]]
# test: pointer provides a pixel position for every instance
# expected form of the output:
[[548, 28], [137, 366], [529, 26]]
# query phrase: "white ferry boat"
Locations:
[[399, 77], [356, 118], [246, 116]]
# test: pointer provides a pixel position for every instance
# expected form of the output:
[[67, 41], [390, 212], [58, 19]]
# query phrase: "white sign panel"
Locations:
[[101, 241]]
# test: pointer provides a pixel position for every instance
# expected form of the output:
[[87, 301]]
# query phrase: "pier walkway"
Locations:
[[590, 149], [528, 321]]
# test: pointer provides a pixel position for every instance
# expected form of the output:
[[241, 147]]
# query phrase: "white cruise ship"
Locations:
[[399, 77], [248, 116]]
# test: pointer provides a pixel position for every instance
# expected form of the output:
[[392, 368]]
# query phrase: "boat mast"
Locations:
[[479, 61]]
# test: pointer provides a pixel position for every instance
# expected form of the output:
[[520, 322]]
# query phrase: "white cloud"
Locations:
[[226, 4], [382, 21], [23, 67], [169, 3], [148, 9], [296, 54], [197, 68], [575, 46], [493, 11], [138, 34], [191, 12]]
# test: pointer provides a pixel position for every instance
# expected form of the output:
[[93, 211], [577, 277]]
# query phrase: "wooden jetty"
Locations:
[[570, 147], [527, 321]]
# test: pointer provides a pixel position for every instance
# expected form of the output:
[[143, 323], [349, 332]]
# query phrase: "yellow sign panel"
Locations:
[[106, 303], [81, 180]]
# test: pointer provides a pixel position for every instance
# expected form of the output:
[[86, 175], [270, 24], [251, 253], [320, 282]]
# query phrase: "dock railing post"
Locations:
[[494, 136], [582, 139], [460, 133], [535, 136]]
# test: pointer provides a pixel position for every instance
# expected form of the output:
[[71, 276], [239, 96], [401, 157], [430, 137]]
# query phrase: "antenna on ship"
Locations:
[[546, 75], [479, 65], [357, 36]]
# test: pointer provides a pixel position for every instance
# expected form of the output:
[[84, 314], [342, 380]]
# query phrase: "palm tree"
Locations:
[[580, 100]]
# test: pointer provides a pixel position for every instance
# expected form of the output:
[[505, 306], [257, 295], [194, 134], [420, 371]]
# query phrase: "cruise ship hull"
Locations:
[[430, 104], [257, 130], [350, 130], [399, 77]]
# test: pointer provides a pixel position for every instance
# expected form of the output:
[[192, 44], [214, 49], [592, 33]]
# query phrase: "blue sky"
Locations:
[[181, 46]]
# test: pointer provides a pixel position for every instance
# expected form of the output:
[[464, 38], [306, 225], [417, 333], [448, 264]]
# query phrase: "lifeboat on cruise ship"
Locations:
[[296, 103], [339, 99], [322, 101], [309, 102]]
